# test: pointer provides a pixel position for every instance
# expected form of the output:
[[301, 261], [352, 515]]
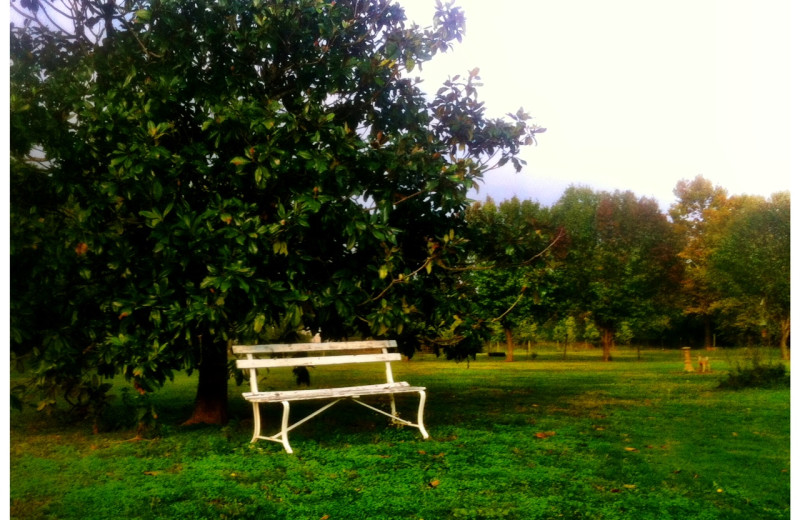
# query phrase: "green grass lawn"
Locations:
[[543, 438]]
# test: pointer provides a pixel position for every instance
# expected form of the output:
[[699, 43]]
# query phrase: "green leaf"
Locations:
[[258, 323], [240, 161], [116, 161], [158, 190], [261, 174], [143, 15], [129, 78], [296, 316], [280, 248]]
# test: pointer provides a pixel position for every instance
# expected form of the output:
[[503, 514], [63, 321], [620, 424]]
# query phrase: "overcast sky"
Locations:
[[635, 94]]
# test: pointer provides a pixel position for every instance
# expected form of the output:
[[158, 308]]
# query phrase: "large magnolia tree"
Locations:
[[188, 173]]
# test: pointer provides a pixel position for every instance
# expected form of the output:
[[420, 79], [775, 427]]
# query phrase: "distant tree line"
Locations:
[[713, 269]]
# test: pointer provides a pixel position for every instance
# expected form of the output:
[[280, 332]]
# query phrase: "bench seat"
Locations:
[[331, 393]]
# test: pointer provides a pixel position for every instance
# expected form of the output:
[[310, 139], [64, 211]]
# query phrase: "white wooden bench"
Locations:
[[320, 354]]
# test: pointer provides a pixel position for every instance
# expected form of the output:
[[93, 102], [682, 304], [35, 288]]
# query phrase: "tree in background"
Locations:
[[186, 174], [698, 207], [635, 267], [749, 267], [621, 263], [513, 244], [565, 331]]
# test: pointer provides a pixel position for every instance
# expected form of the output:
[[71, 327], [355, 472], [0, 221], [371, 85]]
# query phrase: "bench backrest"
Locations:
[[302, 355]]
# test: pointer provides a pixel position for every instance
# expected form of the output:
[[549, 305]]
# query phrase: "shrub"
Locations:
[[756, 374]]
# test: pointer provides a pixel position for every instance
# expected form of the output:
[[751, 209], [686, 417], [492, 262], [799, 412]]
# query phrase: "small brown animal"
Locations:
[[705, 364]]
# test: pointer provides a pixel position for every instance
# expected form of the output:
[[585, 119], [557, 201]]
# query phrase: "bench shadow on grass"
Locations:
[[449, 408], [479, 396]]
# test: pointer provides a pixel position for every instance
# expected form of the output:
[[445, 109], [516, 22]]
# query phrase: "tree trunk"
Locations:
[[707, 342], [608, 339], [785, 331], [509, 345], [211, 402]]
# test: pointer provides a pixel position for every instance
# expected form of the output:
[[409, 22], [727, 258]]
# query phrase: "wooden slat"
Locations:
[[313, 347], [332, 393], [315, 361]]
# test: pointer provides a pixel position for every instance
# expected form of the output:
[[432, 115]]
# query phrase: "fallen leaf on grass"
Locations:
[[544, 435], [324, 517], [629, 486], [433, 483], [151, 473], [629, 448]]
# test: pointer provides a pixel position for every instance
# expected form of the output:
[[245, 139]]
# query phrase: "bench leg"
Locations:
[[394, 409], [256, 422], [422, 429], [284, 427]]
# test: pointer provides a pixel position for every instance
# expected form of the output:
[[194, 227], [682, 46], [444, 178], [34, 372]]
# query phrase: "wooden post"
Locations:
[[687, 359]]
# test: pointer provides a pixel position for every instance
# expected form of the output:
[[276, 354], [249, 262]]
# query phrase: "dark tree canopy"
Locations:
[[199, 172]]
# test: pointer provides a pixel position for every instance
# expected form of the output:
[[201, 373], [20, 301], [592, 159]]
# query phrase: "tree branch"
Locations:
[[397, 281], [519, 299], [543, 251]]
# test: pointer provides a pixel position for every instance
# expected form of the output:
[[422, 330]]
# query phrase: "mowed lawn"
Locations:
[[542, 438]]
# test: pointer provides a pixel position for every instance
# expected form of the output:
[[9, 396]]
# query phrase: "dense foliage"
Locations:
[[623, 271], [201, 172], [516, 250]]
